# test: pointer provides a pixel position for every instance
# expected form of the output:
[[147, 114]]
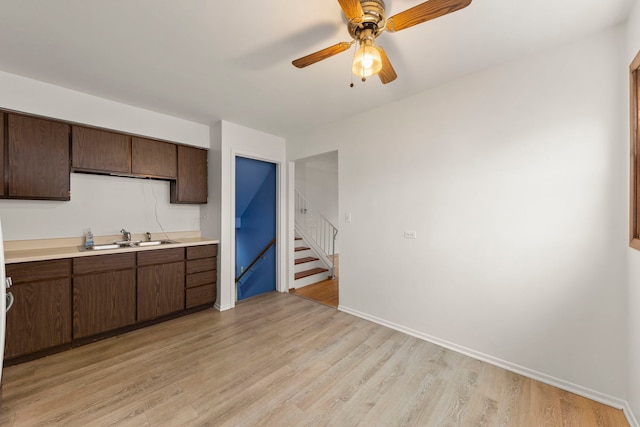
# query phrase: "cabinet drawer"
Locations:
[[198, 265], [161, 256], [206, 251], [98, 263], [199, 279], [38, 270], [200, 295]]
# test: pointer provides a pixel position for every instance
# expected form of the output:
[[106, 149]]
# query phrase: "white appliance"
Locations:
[[6, 299]]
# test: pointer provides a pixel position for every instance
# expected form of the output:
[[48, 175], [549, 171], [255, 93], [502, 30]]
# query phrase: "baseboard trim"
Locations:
[[530, 373], [222, 308], [633, 421]]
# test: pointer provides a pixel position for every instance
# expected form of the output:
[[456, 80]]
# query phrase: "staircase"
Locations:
[[308, 268]]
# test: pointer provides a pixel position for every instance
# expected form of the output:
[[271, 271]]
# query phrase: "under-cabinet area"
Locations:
[[67, 302]]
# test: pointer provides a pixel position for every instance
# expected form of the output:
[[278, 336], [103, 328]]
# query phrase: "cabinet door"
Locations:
[[160, 290], [191, 184], [38, 152], [100, 151], [154, 158], [103, 302], [40, 317], [2, 145]]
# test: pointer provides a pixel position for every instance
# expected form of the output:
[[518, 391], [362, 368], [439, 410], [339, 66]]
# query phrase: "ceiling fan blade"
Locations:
[[351, 8], [424, 12], [321, 54], [387, 74]]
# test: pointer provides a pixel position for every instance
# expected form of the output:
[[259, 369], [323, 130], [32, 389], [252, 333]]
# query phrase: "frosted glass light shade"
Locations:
[[367, 61]]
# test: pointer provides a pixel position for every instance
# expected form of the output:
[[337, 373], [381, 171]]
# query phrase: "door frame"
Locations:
[[281, 228], [236, 155]]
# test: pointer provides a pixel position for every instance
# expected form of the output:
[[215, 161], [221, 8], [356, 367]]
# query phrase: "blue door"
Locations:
[[255, 200]]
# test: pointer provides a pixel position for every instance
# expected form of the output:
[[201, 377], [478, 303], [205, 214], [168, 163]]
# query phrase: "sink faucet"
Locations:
[[148, 236], [126, 236]]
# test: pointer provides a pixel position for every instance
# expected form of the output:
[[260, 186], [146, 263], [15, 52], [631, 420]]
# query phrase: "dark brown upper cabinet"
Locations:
[[37, 159], [155, 159], [96, 150], [37, 156], [191, 185], [2, 145]]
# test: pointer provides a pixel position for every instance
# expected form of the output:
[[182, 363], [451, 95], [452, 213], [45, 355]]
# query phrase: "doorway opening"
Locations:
[[255, 227], [316, 244]]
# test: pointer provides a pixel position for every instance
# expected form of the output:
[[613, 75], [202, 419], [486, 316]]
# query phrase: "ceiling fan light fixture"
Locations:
[[367, 61]]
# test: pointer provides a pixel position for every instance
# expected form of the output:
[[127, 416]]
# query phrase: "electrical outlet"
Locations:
[[347, 217], [410, 235]]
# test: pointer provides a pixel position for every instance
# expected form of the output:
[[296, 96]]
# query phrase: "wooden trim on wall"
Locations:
[[634, 169]]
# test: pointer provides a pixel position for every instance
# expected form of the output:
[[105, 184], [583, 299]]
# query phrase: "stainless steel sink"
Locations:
[[126, 244], [100, 247], [155, 243]]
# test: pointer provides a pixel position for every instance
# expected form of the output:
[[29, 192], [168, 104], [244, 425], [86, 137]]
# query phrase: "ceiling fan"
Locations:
[[366, 21]]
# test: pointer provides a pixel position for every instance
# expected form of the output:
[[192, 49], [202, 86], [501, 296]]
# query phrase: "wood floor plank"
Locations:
[[277, 359]]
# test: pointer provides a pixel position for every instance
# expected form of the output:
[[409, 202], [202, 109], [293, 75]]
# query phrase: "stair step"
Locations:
[[311, 272], [302, 248], [305, 259]]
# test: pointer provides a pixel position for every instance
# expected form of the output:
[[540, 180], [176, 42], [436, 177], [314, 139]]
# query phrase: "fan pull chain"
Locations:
[[355, 51], [364, 79]]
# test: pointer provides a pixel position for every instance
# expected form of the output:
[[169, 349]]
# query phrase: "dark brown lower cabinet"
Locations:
[[104, 293], [160, 283], [63, 303], [160, 290], [201, 275], [103, 302], [41, 314]]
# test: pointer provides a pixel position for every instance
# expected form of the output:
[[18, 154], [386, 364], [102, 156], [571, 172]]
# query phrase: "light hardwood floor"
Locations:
[[325, 292], [280, 360]]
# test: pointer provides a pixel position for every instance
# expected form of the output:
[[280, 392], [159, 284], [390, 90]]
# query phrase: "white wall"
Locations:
[[210, 213], [633, 46], [513, 179], [235, 141], [317, 180], [104, 204]]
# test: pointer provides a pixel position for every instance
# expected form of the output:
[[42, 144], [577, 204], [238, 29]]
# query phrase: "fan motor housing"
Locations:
[[374, 19]]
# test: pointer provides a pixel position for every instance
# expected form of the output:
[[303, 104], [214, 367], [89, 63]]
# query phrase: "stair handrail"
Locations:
[[322, 237], [256, 259]]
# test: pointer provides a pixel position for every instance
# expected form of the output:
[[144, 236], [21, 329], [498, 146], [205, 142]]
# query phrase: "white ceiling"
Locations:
[[206, 60]]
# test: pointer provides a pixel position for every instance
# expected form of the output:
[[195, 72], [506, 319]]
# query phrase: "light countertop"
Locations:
[[48, 249]]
